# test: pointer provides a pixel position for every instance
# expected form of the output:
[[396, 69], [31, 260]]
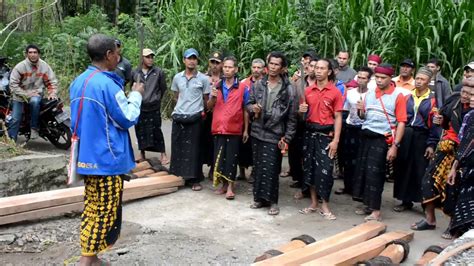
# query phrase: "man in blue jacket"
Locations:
[[101, 122]]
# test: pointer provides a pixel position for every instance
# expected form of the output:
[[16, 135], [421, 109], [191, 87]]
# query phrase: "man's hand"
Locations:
[[392, 153], [360, 105], [139, 87], [452, 176], [437, 119], [245, 137], [332, 147], [429, 153], [303, 108], [256, 108], [214, 92]]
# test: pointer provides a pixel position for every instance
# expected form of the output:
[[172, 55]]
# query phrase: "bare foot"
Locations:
[[164, 159]]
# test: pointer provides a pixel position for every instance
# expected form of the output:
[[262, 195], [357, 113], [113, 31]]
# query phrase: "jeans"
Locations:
[[17, 113]]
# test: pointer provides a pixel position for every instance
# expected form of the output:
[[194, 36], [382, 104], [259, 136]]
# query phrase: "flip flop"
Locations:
[[230, 197], [422, 225], [447, 235], [284, 174], [402, 207], [196, 187], [363, 211], [340, 191], [327, 215], [373, 218], [165, 162], [274, 211], [309, 210], [256, 205]]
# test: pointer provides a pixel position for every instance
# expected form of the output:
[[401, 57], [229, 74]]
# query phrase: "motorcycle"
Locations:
[[55, 124]]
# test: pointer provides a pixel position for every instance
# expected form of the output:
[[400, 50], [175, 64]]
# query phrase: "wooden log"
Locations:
[[430, 253], [361, 252], [40, 200], [141, 166], [295, 243], [161, 173], [395, 253], [143, 173], [77, 206], [353, 236], [442, 258]]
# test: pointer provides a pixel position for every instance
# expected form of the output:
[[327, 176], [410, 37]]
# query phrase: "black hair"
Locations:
[[345, 51], [230, 58], [334, 63], [98, 45], [366, 69], [284, 60], [332, 76], [434, 60], [32, 46]]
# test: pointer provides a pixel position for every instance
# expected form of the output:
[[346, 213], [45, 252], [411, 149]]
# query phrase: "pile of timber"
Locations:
[[52, 203], [367, 244]]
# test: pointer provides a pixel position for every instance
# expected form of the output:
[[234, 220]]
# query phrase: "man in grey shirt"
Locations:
[[191, 89], [438, 83], [346, 73], [124, 68]]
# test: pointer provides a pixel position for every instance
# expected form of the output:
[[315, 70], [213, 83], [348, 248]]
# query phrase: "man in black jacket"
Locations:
[[273, 104], [148, 129]]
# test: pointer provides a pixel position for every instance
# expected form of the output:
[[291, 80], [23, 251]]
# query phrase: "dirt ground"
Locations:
[[201, 228]]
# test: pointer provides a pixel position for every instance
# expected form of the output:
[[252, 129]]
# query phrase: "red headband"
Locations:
[[385, 70], [352, 84], [375, 58]]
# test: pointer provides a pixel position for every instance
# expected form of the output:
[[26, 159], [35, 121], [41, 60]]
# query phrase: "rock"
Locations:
[[7, 239], [122, 251], [20, 243]]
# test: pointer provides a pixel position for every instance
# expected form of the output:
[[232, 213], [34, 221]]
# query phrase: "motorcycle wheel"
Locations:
[[62, 140]]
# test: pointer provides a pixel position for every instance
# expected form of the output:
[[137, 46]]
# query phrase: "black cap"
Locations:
[[118, 42], [217, 56], [310, 53], [408, 62]]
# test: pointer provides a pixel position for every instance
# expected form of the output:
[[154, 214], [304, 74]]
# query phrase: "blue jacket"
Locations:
[[104, 142], [424, 117]]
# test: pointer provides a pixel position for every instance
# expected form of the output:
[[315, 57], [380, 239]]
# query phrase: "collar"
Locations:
[[379, 92], [234, 85], [424, 96], [344, 68], [399, 80], [195, 72], [328, 86]]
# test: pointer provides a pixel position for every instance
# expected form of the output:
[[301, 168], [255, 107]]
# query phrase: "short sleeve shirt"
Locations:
[[353, 96], [323, 104], [191, 91]]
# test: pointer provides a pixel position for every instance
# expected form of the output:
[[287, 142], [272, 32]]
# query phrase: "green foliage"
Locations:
[[394, 29]]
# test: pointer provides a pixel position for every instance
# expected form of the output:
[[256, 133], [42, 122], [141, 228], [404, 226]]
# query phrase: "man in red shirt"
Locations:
[[323, 108], [229, 125]]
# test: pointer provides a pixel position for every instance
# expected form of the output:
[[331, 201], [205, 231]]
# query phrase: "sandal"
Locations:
[[274, 210], [340, 191], [327, 215], [256, 205], [447, 235], [402, 207], [196, 187], [373, 218], [230, 196], [422, 225], [309, 210], [363, 211], [285, 174]]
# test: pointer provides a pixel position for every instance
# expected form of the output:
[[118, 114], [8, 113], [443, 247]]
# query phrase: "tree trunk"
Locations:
[[117, 10]]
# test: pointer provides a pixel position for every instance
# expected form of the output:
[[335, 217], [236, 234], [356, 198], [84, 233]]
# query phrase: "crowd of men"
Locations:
[[365, 126]]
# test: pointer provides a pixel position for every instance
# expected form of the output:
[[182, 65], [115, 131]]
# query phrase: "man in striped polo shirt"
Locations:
[[384, 114]]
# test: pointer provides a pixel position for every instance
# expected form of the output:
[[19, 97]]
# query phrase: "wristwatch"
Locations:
[[397, 144]]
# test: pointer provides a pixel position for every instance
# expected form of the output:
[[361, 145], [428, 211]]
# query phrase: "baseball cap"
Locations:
[[190, 52], [469, 66], [408, 62], [217, 56], [147, 52]]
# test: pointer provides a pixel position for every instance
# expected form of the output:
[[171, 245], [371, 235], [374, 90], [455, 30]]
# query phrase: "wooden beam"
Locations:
[[77, 206], [294, 244], [143, 173], [33, 201], [329, 245], [430, 253], [361, 252], [395, 253], [442, 258], [161, 173], [141, 166]]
